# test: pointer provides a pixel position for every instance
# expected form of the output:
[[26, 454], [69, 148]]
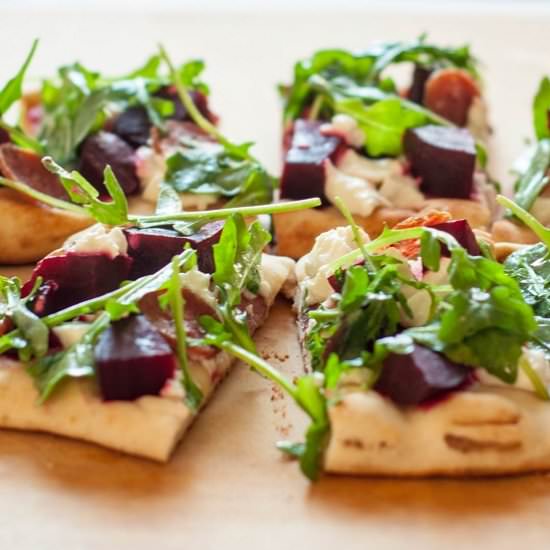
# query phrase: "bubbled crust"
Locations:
[[30, 230]]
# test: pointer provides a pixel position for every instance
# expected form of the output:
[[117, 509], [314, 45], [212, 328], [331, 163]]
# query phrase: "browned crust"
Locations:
[[509, 232], [296, 231], [31, 230]]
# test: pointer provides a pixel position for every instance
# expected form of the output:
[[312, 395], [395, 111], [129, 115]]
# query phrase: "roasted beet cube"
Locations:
[[132, 360], [26, 166], [74, 277], [151, 249], [203, 241], [105, 148], [420, 76], [4, 136], [462, 232], [304, 169], [419, 376], [133, 126], [443, 158]]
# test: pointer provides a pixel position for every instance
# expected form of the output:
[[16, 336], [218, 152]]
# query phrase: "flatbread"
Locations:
[[482, 431], [30, 230], [150, 426]]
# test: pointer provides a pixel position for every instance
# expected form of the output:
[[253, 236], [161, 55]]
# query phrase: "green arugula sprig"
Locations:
[[306, 392], [365, 68], [533, 175], [530, 267]]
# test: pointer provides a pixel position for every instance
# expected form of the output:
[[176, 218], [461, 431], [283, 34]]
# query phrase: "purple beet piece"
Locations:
[[304, 169], [180, 112], [74, 277], [419, 376], [151, 249], [420, 76], [4, 136], [132, 360], [104, 148], [133, 126], [462, 232], [444, 158]]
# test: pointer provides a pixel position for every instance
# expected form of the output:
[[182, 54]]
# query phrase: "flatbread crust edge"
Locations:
[[483, 431], [296, 231], [31, 230], [149, 427]]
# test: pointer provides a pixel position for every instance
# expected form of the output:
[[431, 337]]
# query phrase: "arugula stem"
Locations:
[[261, 366], [534, 378], [396, 236], [528, 219], [43, 197], [188, 103], [220, 213], [344, 210], [193, 393], [316, 107]]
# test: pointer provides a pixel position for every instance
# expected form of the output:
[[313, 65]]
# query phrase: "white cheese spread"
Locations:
[[274, 271], [359, 195], [312, 269], [98, 238], [346, 127]]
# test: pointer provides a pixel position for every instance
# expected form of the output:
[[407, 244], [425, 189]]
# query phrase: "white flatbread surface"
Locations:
[[482, 431]]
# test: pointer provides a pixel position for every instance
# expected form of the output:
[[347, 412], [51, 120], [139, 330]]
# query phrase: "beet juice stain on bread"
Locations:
[[153, 127], [388, 153]]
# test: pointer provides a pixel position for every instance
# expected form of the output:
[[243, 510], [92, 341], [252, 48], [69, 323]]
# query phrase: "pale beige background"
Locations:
[[227, 487]]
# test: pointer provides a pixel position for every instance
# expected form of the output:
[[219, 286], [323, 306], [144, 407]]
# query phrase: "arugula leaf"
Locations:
[[237, 258], [541, 110], [33, 333], [215, 171], [534, 179], [81, 191], [13, 89], [530, 267], [77, 361]]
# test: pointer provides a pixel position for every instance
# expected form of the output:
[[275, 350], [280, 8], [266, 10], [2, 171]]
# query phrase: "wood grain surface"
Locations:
[[227, 487]]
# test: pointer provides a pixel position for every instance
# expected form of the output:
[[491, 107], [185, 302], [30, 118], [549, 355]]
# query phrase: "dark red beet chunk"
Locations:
[[180, 112], [133, 126], [151, 249], [25, 166], [132, 360], [104, 148], [74, 277], [420, 76], [462, 232], [444, 158], [4, 136], [420, 376], [304, 170]]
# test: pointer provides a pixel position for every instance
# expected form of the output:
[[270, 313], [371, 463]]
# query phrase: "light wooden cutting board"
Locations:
[[227, 487]]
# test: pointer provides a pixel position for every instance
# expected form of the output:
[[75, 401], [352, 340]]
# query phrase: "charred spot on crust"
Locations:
[[466, 445]]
